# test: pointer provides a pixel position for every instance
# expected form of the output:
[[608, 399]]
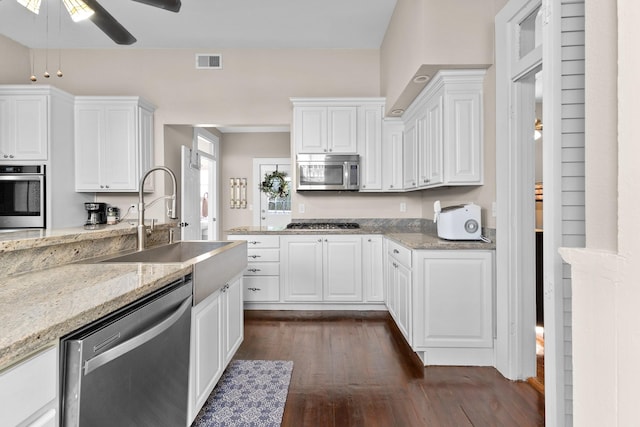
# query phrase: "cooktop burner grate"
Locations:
[[323, 225]]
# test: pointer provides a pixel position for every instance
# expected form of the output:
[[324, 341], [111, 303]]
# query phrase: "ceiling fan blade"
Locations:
[[109, 25], [171, 5]]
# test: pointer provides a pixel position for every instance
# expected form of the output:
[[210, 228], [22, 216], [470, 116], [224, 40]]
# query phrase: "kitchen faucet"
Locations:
[[142, 229]]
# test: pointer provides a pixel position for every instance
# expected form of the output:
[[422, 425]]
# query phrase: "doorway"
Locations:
[[272, 212]]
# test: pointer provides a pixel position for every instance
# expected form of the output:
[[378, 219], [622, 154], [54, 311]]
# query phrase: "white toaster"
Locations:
[[460, 222]]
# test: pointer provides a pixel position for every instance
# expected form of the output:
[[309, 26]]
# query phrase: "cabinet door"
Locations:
[[310, 129], [431, 143], [409, 157], [341, 131], [301, 267], [119, 153], [403, 300], [463, 133], [453, 297], [232, 319], [342, 270], [393, 130], [27, 388], [89, 138], [145, 140], [372, 268], [206, 352], [24, 123], [370, 147]]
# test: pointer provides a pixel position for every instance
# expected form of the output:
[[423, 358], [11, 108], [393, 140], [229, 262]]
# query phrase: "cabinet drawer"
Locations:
[[262, 255], [399, 252], [258, 240], [261, 289], [262, 269], [27, 387]]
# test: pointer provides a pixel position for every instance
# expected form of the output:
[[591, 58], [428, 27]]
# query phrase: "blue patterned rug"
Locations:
[[249, 393]]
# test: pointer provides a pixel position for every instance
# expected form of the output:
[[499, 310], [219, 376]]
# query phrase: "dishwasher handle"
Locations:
[[132, 343]]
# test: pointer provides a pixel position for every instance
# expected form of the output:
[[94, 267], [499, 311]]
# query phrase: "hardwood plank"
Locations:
[[352, 369]]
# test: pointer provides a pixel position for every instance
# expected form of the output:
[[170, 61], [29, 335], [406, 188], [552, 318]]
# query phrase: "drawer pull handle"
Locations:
[[253, 270], [253, 243], [395, 251], [254, 256], [254, 289]]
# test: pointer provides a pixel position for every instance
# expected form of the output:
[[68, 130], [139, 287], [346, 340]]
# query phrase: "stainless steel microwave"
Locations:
[[328, 172]]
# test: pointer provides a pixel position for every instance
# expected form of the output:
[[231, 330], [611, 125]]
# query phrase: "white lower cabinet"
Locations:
[[398, 278], [372, 268], [443, 303], [453, 294], [316, 268], [29, 391], [216, 334], [232, 318], [261, 281]]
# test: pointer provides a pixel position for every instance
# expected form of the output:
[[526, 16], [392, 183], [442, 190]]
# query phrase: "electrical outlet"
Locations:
[[403, 207], [494, 209], [300, 207]]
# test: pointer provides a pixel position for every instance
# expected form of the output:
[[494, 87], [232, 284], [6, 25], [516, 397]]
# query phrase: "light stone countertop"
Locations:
[[420, 241], [12, 240], [38, 308], [412, 239]]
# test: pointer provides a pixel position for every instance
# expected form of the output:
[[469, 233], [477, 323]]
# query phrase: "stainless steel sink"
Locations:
[[214, 263], [174, 252]]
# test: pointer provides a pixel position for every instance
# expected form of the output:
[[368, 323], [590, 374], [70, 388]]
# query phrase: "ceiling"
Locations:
[[262, 24]]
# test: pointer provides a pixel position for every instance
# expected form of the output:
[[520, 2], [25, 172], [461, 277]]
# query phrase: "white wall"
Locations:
[[606, 291], [238, 151], [15, 63]]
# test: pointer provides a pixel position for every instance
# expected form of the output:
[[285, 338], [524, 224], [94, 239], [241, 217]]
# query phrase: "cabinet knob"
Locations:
[[369, 240], [320, 240], [395, 251], [106, 186], [102, 186], [391, 186], [325, 150], [11, 156], [326, 240]]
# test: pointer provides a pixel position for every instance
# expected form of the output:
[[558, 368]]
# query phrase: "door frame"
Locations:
[[515, 295], [214, 177]]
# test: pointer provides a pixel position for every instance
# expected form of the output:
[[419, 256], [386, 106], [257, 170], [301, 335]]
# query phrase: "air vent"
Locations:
[[209, 61]]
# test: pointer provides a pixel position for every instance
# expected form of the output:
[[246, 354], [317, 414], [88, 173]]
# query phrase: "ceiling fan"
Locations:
[[91, 9]]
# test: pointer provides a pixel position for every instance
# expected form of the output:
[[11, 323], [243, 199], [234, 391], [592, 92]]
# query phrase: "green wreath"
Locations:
[[274, 185]]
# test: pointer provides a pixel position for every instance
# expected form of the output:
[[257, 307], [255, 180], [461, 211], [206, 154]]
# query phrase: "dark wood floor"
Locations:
[[350, 369]]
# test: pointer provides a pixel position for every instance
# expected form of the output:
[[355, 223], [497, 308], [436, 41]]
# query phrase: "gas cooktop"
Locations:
[[323, 225]]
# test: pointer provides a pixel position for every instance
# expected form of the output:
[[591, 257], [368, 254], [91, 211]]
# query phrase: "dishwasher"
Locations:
[[131, 368]]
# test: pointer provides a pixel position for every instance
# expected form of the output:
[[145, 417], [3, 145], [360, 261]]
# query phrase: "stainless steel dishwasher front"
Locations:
[[131, 368]]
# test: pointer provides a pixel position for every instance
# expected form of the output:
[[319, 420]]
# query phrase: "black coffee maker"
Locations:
[[96, 214]]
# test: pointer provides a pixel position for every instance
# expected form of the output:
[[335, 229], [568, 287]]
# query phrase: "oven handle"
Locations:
[[22, 177], [132, 343]]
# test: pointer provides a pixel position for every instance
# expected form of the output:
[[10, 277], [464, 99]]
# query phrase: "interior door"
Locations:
[[190, 202]]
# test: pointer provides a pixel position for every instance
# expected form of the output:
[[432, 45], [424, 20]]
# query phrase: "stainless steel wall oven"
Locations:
[[22, 196]]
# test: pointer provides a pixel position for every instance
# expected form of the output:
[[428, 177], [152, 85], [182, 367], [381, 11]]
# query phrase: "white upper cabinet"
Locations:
[[337, 126], [23, 126], [114, 143], [370, 146], [443, 140], [392, 146]]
